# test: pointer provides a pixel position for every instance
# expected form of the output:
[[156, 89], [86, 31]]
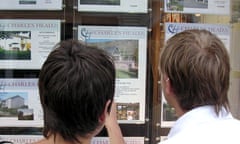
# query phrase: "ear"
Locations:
[[105, 112], [166, 85]]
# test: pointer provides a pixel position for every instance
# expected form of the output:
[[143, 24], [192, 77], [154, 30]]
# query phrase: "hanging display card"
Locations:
[[28, 139], [19, 103], [128, 140], [133, 6], [20, 139], [168, 113], [219, 7], [128, 46], [31, 5], [221, 30], [25, 44], [168, 116]]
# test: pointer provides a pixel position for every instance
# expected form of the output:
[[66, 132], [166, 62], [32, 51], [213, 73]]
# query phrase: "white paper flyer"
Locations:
[[20, 103], [25, 44], [128, 140], [31, 5], [223, 31], [219, 7], [168, 114], [20, 139], [132, 6], [128, 46], [28, 139]]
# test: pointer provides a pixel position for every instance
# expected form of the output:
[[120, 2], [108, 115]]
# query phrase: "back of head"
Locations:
[[75, 83], [198, 67]]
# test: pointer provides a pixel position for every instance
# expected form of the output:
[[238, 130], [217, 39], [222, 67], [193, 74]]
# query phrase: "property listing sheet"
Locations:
[[223, 31], [219, 7], [133, 6], [128, 46], [20, 103], [25, 44], [27, 139], [30, 4]]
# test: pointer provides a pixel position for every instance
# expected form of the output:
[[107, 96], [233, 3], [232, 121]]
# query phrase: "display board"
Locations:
[[128, 46], [133, 6], [27, 139], [218, 7], [221, 30], [25, 43], [19, 103], [31, 5]]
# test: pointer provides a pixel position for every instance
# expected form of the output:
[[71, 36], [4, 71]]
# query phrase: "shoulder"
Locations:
[[42, 141]]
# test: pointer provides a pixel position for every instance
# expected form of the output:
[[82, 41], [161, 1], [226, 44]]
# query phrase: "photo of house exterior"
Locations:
[[13, 102]]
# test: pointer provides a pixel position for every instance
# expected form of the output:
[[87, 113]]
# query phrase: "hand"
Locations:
[[111, 117], [113, 129]]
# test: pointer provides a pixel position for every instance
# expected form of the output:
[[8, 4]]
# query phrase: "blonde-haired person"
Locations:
[[195, 75]]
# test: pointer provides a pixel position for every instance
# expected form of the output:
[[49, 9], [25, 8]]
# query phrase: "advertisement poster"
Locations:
[[28, 139], [31, 5], [20, 139], [219, 7], [128, 140], [133, 6], [168, 116], [128, 46], [25, 44], [223, 31], [20, 103]]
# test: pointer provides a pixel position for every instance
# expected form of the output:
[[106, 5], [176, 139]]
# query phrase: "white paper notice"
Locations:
[[20, 139], [221, 30], [31, 4], [128, 46], [25, 44], [132, 6], [219, 7], [28, 139], [128, 140], [20, 103]]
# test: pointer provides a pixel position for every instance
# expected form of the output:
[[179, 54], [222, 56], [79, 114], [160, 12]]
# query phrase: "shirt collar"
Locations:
[[196, 116]]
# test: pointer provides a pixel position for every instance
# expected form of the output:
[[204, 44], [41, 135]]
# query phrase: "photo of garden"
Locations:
[[15, 45]]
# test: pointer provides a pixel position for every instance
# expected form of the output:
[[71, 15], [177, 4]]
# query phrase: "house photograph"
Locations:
[[10, 102], [124, 52]]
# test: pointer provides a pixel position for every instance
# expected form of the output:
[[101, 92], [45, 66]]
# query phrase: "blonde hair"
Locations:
[[198, 67]]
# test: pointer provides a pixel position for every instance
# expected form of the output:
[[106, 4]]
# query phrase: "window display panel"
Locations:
[[219, 7], [134, 6], [31, 5], [221, 30], [20, 103], [25, 44], [128, 46]]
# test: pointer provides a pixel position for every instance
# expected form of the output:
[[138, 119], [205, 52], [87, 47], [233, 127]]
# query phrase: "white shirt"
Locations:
[[202, 126]]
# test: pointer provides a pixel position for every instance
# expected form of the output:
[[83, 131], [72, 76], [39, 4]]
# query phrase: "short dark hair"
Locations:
[[75, 83], [198, 67]]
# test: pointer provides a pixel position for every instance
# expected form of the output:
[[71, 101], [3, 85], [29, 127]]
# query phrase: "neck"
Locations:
[[58, 139], [179, 111]]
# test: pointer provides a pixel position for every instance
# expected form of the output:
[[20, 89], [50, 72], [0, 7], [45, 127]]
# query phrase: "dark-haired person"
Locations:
[[195, 75], [76, 87]]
